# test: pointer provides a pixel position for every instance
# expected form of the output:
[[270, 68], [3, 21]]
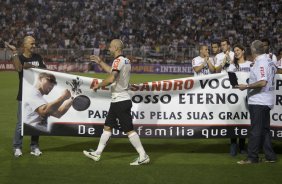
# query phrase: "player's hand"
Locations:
[[66, 94], [242, 87], [96, 59], [96, 86]]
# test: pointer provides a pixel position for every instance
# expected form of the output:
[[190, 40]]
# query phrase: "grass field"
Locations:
[[175, 161]]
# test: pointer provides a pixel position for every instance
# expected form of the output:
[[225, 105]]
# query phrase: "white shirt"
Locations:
[[243, 67], [263, 69], [279, 64], [218, 59], [120, 87], [33, 100], [272, 57], [198, 61]]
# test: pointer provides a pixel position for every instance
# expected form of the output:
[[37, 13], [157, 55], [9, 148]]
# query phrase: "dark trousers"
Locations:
[[259, 135]]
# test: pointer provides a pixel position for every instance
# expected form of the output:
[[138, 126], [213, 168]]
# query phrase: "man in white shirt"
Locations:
[[223, 59], [261, 100], [279, 62], [120, 109], [266, 46], [37, 109], [203, 64], [215, 49]]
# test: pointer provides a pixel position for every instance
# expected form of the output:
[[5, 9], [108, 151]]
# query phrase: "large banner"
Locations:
[[194, 107]]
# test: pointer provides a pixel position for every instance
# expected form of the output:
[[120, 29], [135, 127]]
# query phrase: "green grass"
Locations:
[[173, 160]]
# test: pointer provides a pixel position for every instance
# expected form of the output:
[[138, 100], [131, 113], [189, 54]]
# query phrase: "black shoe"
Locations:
[[243, 151]]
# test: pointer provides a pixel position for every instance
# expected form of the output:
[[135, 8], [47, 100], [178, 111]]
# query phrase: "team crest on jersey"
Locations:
[[116, 63]]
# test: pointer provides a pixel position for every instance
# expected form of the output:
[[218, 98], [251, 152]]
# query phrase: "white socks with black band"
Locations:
[[135, 141], [106, 135]]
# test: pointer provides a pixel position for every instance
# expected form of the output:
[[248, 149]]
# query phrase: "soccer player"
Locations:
[[223, 59], [203, 64], [279, 62], [266, 46], [120, 108], [215, 49]]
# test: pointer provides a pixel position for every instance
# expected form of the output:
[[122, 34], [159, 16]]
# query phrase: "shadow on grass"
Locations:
[[158, 146]]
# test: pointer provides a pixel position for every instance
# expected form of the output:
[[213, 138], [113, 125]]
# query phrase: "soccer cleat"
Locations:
[[246, 162], [36, 152], [92, 154], [18, 152], [137, 161]]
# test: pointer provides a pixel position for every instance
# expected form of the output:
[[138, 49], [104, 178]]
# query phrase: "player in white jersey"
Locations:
[[203, 64], [215, 49], [223, 59], [279, 62], [119, 114], [260, 99], [240, 64], [266, 46]]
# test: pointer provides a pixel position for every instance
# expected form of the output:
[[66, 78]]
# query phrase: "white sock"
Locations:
[[106, 135], [135, 141]]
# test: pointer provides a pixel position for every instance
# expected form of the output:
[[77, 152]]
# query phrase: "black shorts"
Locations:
[[119, 116]]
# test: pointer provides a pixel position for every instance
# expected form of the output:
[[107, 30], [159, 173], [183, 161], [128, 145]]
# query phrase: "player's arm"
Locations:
[[52, 107], [258, 84], [63, 108], [279, 71], [108, 81], [99, 61], [210, 65], [198, 68]]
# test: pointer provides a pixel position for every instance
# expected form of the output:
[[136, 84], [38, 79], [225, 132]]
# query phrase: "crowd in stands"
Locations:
[[148, 24]]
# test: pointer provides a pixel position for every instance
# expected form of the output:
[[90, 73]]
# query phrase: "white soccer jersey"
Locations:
[[279, 64], [272, 57], [218, 59], [263, 69], [243, 67], [33, 100], [120, 87], [198, 61]]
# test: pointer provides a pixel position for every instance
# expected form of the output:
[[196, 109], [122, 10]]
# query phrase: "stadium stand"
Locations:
[[149, 28]]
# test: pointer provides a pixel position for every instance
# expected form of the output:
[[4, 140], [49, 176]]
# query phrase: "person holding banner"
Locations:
[[119, 113], [28, 59], [240, 64], [203, 64], [260, 100], [37, 109]]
